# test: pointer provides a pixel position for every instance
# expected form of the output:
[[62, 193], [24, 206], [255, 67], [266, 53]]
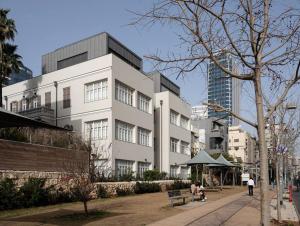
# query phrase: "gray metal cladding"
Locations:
[[95, 46]]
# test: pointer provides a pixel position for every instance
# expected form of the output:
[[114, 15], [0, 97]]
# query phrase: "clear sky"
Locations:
[[44, 26]]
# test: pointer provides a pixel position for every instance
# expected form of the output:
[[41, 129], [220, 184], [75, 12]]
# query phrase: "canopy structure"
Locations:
[[202, 158], [9, 119]]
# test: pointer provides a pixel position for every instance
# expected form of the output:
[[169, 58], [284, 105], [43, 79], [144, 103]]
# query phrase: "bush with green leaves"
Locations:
[[15, 134], [151, 175], [34, 192], [179, 184], [10, 197], [146, 187], [129, 176], [124, 191], [102, 192]]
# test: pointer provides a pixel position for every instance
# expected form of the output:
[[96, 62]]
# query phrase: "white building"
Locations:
[[96, 86], [172, 127], [199, 112], [241, 145]]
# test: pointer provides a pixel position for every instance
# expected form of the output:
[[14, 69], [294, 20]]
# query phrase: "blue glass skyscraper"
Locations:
[[223, 89]]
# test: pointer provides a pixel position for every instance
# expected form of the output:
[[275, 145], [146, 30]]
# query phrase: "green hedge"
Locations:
[[151, 175], [146, 187]]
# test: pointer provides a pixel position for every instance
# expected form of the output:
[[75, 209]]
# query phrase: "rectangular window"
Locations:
[[236, 140], [124, 93], [143, 103], [174, 117], [184, 148], [66, 97], [142, 167], [124, 167], [124, 131], [48, 99], [96, 91], [97, 130], [14, 106], [174, 145], [174, 171], [144, 136], [184, 122], [24, 104]]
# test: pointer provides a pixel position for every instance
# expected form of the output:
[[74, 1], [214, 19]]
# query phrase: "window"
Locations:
[[66, 97], [14, 106], [144, 137], [124, 131], [72, 60], [124, 167], [142, 167], [184, 172], [184, 148], [96, 91], [236, 148], [173, 171], [143, 102], [97, 129], [36, 101], [124, 94], [174, 145], [235, 140], [174, 117], [24, 104], [48, 99], [184, 122]]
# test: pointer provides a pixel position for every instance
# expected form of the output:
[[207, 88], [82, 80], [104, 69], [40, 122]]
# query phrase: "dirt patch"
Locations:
[[125, 211]]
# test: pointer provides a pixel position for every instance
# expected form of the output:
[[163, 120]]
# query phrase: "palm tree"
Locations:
[[9, 60]]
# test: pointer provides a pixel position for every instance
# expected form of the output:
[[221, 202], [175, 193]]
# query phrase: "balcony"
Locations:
[[217, 133], [40, 114]]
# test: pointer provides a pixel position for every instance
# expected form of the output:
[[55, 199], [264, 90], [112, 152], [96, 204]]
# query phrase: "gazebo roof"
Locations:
[[224, 161], [202, 158]]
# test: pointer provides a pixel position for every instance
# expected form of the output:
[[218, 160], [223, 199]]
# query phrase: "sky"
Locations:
[[44, 26]]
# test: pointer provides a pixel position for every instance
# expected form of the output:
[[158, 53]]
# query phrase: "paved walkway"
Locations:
[[232, 210]]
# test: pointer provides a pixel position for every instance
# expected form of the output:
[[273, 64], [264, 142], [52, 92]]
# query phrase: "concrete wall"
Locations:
[[29, 157]]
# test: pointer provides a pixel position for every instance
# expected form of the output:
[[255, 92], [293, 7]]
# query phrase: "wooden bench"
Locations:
[[176, 195]]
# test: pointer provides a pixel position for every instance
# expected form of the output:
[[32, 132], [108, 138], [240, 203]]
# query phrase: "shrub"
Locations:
[[14, 134], [102, 192], [59, 196], [9, 196], [127, 177], [179, 184], [34, 193], [146, 187], [151, 175], [123, 191]]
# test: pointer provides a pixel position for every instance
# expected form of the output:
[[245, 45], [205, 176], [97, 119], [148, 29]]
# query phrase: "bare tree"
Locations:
[[263, 36]]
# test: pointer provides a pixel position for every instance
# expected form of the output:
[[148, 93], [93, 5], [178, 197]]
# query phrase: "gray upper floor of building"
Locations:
[[89, 48], [162, 83]]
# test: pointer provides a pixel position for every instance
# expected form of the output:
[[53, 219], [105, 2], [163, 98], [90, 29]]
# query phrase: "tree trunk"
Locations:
[[277, 189], [1, 103], [264, 204], [85, 208]]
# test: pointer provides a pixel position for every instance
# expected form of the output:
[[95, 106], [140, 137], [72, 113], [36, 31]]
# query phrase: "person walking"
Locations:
[[250, 184]]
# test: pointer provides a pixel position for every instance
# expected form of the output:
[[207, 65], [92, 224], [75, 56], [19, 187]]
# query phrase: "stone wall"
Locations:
[[111, 187]]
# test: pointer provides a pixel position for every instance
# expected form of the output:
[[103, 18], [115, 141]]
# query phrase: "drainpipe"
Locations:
[[6, 102], [161, 103], [55, 85]]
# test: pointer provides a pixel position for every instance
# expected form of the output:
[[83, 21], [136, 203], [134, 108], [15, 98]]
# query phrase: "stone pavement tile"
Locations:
[[288, 211], [190, 205], [247, 216], [197, 212]]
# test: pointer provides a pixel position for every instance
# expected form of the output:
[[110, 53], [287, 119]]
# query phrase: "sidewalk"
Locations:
[[234, 210], [288, 210], [227, 211]]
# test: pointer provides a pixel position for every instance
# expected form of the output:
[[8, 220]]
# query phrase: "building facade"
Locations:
[[108, 100], [172, 131], [223, 89], [214, 133], [199, 112], [242, 146]]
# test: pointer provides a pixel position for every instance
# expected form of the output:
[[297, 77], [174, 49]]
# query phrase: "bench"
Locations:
[[176, 195]]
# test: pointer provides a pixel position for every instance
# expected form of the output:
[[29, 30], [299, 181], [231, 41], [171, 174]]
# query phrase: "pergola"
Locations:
[[202, 158], [223, 163]]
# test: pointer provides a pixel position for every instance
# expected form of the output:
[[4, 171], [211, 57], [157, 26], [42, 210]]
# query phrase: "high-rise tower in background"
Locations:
[[223, 89]]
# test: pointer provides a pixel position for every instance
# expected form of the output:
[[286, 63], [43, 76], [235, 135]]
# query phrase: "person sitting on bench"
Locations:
[[202, 194]]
